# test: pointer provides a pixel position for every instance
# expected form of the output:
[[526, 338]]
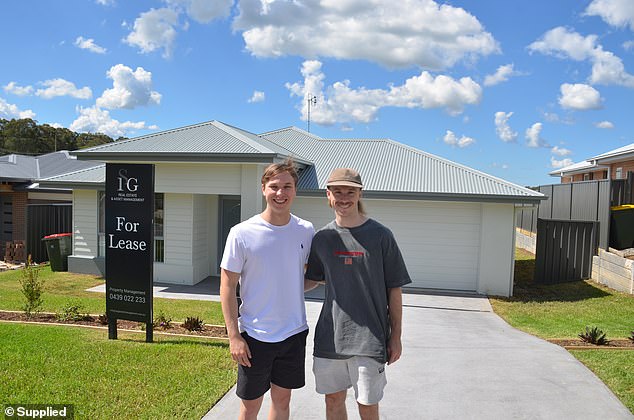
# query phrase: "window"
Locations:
[[618, 173], [101, 233], [159, 245], [586, 177]]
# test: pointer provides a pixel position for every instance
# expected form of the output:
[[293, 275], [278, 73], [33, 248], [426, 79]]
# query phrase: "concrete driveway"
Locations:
[[461, 361]]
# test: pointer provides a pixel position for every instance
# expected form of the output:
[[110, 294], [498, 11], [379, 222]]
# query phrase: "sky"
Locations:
[[515, 89]]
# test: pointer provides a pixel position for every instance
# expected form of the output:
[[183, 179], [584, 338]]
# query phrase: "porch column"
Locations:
[[251, 199]]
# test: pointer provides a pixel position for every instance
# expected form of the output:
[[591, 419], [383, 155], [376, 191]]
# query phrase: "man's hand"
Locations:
[[240, 351], [394, 349]]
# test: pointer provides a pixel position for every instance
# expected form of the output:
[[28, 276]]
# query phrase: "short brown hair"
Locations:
[[275, 169]]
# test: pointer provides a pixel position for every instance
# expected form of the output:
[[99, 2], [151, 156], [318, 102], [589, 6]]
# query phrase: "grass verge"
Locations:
[[564, 310], [62, 289], [105, 379]]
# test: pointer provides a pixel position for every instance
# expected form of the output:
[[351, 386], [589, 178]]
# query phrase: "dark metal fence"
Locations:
[[577, 201], [564, 250], [42, 220]]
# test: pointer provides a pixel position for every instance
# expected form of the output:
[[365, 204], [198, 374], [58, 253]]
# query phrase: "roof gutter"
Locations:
[[431, 196], [189, 157]]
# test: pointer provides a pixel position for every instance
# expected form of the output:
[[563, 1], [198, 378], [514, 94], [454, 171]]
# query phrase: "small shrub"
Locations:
[[631, 337], [72, 312], [103, 319], [193, 324], [32, 288], [162, 321], [594, 336]]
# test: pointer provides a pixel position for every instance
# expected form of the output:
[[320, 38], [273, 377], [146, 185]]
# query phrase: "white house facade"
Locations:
[[455, 226]]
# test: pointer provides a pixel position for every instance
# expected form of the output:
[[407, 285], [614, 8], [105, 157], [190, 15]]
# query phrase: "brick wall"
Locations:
[[627, 166], [20, 200]]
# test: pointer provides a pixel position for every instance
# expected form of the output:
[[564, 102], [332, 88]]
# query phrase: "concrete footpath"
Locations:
[[461, 361]]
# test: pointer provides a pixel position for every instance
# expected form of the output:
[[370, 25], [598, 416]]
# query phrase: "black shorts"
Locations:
[[281, 363]]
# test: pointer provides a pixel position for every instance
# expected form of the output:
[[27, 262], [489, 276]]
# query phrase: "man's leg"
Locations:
[[249, 408], [336, 406], [280, 401], [369, 412]]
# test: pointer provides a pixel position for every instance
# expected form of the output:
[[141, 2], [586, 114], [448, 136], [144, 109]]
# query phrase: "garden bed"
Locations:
[[210, 331], [576, 344]]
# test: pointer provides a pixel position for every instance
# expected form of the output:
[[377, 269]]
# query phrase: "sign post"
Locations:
[[129, 245]]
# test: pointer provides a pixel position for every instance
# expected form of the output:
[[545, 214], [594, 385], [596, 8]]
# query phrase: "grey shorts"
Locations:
[[364, 374]]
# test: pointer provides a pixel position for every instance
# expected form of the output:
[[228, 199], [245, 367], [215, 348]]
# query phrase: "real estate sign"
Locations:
[[129, 230]]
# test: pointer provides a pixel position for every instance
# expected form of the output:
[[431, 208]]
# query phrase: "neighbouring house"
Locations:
[[455, 225], [20, 190], [614, 164]]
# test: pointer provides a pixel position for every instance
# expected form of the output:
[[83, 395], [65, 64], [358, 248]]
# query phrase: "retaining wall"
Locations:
[[613, 271]]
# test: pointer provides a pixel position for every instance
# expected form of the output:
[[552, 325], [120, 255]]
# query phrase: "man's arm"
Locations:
[[239, 348], [311, 284], [395, 309]]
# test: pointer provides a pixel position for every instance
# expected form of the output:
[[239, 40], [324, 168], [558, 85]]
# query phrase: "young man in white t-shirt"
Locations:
[[266, 255]]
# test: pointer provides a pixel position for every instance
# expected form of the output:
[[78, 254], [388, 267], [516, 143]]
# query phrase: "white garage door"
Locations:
[[439, 241]]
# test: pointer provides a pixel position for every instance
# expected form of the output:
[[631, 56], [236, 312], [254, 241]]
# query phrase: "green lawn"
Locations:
[[105, 379], [62, 288], [564, 310]]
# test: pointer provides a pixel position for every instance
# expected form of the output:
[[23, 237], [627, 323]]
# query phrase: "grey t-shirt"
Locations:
[[358, 265]]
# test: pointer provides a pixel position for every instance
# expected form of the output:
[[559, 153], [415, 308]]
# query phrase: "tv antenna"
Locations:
[[312, 99]]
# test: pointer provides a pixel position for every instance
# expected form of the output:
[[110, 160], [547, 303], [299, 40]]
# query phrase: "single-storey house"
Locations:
[[19, 189], [614, 164], [455, 225]]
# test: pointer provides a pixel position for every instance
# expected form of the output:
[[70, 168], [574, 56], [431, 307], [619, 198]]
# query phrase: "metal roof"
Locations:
[[211, 141], [389, 168], [575, 167], [91, 178], [624, 152], [30, 168]]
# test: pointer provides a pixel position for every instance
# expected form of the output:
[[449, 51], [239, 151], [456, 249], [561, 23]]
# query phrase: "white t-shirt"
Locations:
[[270, 260]]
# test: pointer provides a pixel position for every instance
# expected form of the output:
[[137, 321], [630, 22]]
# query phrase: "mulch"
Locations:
[[208, 331], [578, 344]]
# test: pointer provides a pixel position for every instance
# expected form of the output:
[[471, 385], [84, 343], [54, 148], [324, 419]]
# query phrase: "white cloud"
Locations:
[[61, 87], [560, 151], [89, 44], [618, 13], [10, 111], [257, 97], [452, 140], [14, 89], [395, 34], [501, 75], [534, 138], [154, 30], [95, 120], [203, 11], [579, 96], [557, 164], [604, 124], [628, 45], [607, 68], [340, 103], [130, 89], [502, 128], [555, 118], [105, 2]]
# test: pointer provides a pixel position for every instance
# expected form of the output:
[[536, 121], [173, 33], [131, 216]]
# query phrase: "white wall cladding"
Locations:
[[315, 210], [85, 223], [212, 232], [198, 178], [497, 250], [201, 241]]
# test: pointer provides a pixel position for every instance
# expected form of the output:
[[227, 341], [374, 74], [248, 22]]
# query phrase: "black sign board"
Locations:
[[129, 244]]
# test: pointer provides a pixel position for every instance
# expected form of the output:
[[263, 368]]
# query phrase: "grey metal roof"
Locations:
[[94, 177], [389, 168], [30, 168], [624, 152], [210, 141]]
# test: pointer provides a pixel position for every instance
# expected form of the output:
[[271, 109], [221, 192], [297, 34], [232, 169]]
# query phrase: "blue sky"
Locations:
[[514, 89]]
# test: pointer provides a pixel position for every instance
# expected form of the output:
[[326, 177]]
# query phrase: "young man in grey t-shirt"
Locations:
[[359, 328]]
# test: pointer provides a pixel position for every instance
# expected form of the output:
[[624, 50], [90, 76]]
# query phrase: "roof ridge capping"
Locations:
[[527, 191], [291, 128]]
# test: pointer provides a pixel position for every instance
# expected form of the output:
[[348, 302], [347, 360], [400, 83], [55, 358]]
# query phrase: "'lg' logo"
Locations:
[[124, 181]]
